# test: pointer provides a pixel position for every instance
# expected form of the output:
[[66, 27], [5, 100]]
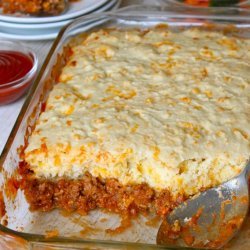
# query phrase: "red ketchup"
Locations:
[[14, 81]]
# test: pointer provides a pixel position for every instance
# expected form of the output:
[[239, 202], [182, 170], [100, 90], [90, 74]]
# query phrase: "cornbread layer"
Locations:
[[169, 109]]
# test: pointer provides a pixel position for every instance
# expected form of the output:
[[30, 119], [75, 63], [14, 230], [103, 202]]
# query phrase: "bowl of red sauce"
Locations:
[[18, 67]]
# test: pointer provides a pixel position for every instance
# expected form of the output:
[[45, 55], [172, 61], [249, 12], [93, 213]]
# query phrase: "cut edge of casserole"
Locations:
[[141, 120]]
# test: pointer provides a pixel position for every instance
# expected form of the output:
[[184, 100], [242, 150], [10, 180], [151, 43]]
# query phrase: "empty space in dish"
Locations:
[[92, 226]]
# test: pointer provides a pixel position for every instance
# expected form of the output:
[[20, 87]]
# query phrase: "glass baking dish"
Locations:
[[55, 230]]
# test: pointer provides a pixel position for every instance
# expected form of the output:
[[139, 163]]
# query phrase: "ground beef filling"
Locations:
[[88, 193]]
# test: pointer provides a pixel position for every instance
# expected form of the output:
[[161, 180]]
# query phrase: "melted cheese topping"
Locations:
[[169, 109]]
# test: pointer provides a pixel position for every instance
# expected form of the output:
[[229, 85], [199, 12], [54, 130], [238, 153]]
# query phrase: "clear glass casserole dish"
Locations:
[[22, 229]]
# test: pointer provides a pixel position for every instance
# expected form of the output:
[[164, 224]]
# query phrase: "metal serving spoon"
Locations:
[[210, 219]]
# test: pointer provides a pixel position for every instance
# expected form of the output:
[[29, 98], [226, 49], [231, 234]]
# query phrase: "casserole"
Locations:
[[118, 129], [34, 7], [93, 225]]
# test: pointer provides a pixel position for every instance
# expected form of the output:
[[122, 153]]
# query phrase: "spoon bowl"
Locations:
[[209, 219]]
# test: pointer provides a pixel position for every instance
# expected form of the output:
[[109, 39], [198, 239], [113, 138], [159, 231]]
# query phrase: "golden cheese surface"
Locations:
[[171, 109]]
